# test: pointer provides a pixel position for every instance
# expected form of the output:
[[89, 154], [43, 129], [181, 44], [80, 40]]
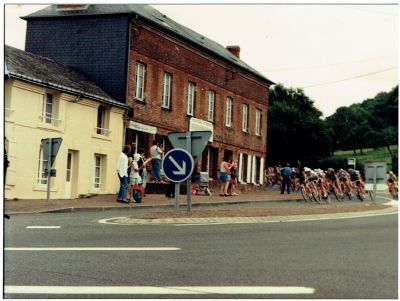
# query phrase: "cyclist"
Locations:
[[392, 183], [320, 183], [355, 177], [344, 178], [332, 180]]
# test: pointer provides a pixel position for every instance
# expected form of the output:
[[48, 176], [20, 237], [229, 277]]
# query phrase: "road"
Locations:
[[74, 256]]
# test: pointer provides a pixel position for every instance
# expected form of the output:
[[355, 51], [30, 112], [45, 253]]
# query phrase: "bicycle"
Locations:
[[334, 189], [360, 193], [346, 191], [305, 192], [393, 190]]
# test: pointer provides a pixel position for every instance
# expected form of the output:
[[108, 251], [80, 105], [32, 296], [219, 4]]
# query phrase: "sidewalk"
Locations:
[[108, 202]]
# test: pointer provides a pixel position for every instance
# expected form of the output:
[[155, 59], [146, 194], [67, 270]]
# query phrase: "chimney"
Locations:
[[235, 50], [70, 7]]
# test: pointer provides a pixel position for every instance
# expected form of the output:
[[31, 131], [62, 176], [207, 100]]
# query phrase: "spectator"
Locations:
[[224, 175], [122, 169], [135, 180], [6, 162], [233, 181], [286, 173], [155, 153], [143, 170]]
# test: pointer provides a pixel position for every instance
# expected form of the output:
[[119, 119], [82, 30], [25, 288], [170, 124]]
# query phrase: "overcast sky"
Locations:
[[339, 54]]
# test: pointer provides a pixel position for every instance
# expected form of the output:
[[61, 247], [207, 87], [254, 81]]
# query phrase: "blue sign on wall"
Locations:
[[178, 165]]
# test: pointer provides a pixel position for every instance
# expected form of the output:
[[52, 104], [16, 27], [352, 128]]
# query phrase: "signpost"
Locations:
[[194, 143], [50, 147], [352, 162], [178, 165], [375, 176]]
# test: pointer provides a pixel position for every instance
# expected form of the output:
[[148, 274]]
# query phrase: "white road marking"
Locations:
[[43, 227], [154, 290], [92, 249]]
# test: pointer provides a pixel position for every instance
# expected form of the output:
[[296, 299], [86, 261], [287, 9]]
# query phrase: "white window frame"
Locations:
[[48, 108], [42, 166], [229, 106], [98, 160], [211, 105], [245, 118], [258, 122], [140, 81], [166, 97], [191, 98], [103, 128]]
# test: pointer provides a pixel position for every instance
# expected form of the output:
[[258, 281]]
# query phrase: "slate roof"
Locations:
[[29, 67], [154, 16]]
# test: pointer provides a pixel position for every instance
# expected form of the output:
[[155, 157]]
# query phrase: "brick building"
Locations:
[[173, 78]]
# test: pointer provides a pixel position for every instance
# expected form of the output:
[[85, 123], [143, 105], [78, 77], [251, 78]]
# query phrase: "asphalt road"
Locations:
[[348, 258]]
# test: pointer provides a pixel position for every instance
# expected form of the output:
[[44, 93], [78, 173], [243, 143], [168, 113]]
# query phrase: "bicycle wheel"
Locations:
[[327, 198], [315, 195], [303, 194], [338, 196], [360, 195]]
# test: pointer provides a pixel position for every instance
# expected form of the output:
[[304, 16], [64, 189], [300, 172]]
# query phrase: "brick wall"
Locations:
[[161, 53]]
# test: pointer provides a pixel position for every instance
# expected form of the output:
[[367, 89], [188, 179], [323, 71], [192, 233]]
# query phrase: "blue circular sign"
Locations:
[[178, 165]]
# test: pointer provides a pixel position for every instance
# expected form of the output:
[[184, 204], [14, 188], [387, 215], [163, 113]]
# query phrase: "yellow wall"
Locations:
[[24, 131]]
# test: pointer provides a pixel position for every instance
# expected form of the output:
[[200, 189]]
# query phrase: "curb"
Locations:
[[247, 220], [144, 206]]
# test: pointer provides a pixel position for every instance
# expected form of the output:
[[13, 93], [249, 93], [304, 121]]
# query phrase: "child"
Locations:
[[233, 181], [135, 180]]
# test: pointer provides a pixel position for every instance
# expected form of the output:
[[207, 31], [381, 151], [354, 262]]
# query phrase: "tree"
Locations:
[[296, 131]]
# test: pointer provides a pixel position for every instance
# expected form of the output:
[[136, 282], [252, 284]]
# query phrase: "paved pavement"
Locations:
[[108, 202]]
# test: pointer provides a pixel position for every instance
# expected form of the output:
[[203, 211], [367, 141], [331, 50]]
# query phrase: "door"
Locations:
[[68, 178]]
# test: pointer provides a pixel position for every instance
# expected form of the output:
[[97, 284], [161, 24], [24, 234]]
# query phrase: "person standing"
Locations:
[[143, 170], [6, 162], [286, 173], [224, 175], [122, 170], [135, 180], [155, 153]]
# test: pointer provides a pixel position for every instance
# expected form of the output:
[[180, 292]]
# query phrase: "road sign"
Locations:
[[177, 165], [53, 148], [375, 176], [351, 161], [198, 141]]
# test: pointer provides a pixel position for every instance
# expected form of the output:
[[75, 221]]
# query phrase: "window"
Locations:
[[140, 78], [258, 122], [102, 121], [166, 97], [97, 171], [211, 105], [245, 119], [191, 98], [229, 105], [48, 108], [42, 166]]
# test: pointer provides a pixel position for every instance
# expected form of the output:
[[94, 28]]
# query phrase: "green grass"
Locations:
[[380, 154]]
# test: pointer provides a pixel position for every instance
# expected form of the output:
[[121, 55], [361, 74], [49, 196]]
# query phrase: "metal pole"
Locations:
[[49, 168], [189, 180], [375, 176], [177, 186]]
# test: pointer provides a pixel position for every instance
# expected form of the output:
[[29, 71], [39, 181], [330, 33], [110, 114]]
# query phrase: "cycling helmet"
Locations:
[[306, 169]]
